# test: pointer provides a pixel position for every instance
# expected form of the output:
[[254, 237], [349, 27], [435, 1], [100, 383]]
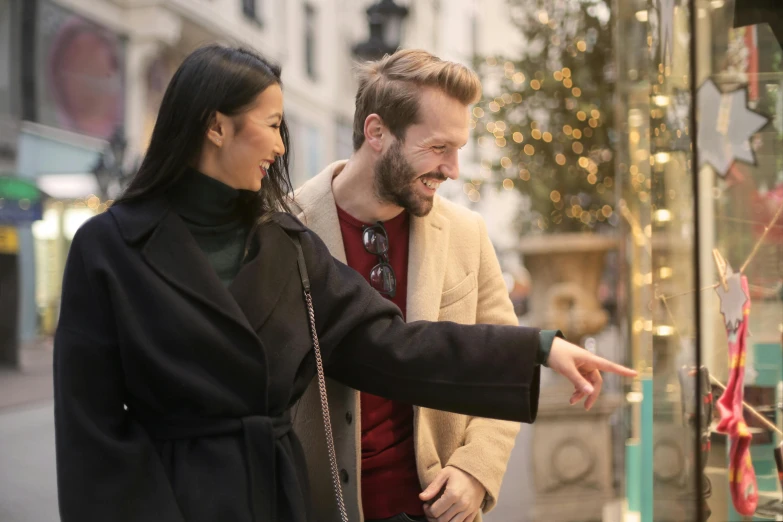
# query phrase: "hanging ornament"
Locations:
[[735, 307], [726, 126], [666, 29], [677, 118], [753, 12]]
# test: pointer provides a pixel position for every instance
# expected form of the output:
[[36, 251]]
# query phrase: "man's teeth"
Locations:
[[431, 184]]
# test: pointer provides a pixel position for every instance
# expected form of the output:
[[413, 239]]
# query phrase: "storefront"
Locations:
[[700, 162], [73, 72]]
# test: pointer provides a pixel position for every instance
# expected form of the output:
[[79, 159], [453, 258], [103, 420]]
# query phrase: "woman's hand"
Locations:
[[583, 369]]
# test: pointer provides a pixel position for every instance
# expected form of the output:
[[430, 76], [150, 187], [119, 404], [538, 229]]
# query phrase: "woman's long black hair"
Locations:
[[212, 79]]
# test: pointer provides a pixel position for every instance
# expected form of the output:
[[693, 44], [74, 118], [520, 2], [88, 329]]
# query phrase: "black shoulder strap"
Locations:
[[300, 260]]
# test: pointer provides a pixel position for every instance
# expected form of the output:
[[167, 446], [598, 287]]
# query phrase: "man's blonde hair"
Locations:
[[391, 87]]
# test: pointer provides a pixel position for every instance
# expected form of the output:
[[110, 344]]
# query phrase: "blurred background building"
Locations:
[[617, 145]]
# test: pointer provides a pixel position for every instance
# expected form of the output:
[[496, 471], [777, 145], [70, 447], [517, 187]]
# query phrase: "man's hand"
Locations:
[[583, 369], [461, 499]]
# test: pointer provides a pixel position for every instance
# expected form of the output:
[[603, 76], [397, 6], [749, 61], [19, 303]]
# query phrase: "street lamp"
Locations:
[[385, 20], [109, 170]]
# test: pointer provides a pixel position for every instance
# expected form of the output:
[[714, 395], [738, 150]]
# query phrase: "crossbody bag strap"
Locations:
[[338, 490]]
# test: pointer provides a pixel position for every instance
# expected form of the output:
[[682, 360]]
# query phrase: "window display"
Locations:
[[701, 166]]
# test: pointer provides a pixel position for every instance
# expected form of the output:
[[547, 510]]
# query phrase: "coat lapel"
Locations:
[[427, 258], [260, 283], [173, 253], [318, 210]]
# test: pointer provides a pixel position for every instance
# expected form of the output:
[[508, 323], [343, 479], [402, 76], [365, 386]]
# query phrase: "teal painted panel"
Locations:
[[633, 472], [647, 492]]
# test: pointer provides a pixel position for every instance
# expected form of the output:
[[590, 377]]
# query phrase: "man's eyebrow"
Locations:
[[445, 141]]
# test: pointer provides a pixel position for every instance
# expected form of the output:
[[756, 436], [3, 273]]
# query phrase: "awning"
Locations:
[[21, 201]]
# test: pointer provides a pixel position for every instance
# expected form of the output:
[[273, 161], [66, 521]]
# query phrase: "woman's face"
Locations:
[[245, 146]]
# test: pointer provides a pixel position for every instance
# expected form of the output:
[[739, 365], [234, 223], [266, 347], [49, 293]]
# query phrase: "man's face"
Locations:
[[409, 172]]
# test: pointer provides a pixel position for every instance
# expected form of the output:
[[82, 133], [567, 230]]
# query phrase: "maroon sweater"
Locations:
[[390, 481]]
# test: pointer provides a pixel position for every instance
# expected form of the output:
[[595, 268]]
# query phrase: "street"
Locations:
[[28, 491]]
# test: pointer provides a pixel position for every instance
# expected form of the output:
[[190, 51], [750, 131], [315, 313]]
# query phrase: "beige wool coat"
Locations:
[[453, 275]]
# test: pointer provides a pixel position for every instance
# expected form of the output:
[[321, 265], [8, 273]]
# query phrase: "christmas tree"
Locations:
[[544, 126]]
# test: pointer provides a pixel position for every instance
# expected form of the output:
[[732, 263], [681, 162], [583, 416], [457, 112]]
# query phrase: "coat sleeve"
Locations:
[[107, 468], [482, 370]]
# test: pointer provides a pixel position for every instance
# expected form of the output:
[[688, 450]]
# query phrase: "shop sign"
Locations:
[[20, 201], [9, 240]]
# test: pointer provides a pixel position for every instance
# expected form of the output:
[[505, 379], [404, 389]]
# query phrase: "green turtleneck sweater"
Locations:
[[211, 211]]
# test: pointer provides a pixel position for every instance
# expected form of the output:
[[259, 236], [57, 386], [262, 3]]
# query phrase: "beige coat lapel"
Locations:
[[427, 258], [321, 214]]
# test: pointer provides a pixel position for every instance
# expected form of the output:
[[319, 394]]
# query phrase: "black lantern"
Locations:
[[385, 19]]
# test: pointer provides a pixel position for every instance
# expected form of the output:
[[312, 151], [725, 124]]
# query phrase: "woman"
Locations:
[[183, 340]]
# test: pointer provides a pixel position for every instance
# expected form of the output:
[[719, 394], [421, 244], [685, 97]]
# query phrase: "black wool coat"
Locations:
[[172, 392]]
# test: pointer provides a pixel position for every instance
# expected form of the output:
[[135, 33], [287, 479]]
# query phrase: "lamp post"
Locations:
[[385, 19], [110, 169]]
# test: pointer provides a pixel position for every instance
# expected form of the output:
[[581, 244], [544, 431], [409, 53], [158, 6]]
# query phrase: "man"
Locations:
[[379, 213]]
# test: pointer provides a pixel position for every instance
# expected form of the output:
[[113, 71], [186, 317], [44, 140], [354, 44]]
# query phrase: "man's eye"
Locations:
[[440, 148]]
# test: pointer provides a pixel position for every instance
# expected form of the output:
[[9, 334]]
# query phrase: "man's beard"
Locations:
[[395, 179]]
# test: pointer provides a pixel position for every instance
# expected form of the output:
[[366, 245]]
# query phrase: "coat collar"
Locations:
[[318, 210], [169, 248], [428, 244]]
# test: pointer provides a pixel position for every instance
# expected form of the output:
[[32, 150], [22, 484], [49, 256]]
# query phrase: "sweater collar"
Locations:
[[205, 201]]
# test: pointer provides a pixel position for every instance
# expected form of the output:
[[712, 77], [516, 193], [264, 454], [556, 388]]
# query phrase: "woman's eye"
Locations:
[[440, 148]]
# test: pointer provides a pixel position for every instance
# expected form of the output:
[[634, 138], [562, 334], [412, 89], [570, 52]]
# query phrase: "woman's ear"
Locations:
[[374, 132], [216, 132]]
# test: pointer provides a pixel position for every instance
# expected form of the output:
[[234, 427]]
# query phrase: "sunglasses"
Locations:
[[376, 242]]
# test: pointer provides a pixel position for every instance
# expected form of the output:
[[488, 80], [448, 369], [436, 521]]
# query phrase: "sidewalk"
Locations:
[[32, 382]]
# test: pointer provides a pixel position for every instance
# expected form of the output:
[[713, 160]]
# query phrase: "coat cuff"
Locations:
[[545, 340]]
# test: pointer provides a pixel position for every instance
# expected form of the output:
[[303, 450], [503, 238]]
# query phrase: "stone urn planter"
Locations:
[[565, 271], [571, 449]]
